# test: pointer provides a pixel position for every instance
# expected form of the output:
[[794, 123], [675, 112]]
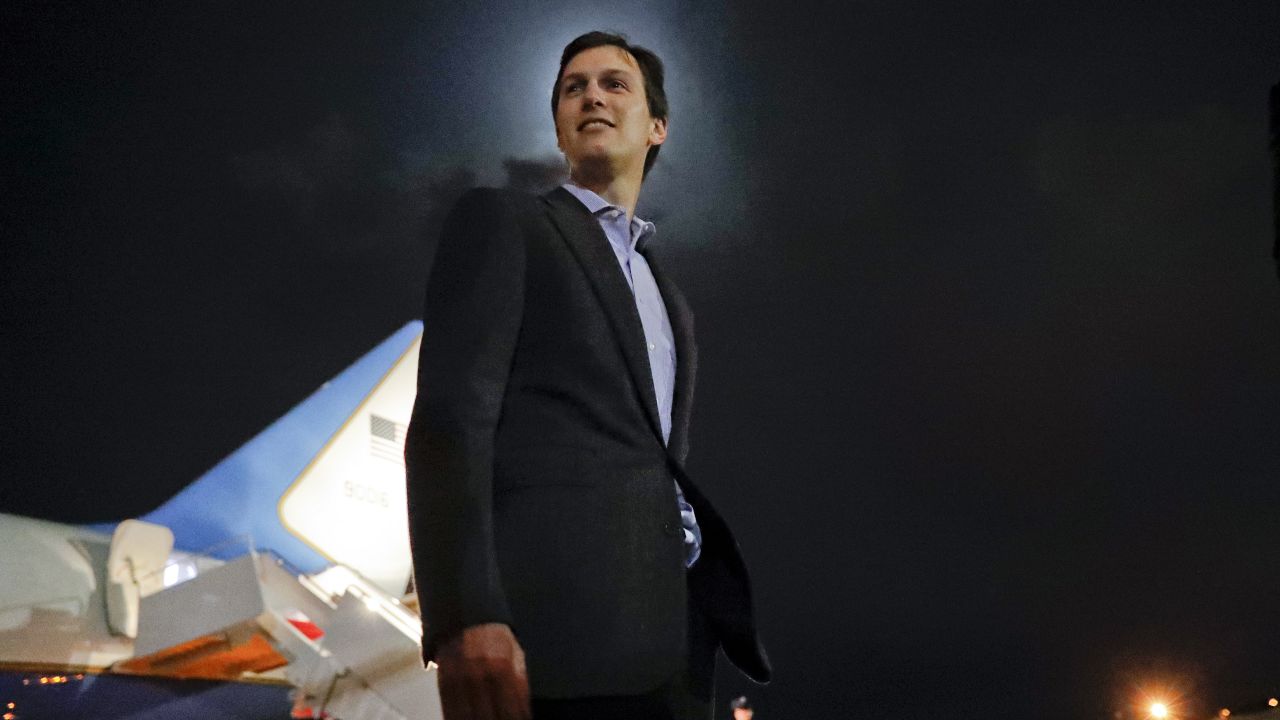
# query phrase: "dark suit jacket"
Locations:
[[540, 491]]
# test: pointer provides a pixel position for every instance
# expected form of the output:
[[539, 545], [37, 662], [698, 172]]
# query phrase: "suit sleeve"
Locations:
[[474, 303]]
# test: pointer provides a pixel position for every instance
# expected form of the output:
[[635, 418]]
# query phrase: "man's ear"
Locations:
[[658, 133]]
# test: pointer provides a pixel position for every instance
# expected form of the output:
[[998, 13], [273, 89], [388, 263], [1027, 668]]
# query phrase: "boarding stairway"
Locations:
[[350, 650]]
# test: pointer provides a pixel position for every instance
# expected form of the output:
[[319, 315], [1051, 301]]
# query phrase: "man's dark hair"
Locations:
[[650, 68]]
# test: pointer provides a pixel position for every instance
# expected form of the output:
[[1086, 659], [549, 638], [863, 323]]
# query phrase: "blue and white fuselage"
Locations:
[[283, 568]]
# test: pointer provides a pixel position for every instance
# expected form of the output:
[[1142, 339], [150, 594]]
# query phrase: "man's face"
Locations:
[[603, 115]]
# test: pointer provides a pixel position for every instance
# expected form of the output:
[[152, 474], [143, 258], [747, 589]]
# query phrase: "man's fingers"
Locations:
[[522, 684], [454, 700], [519, 696], [518, 660], [522, 697], [484, 676], [510, 693], [480, 694]]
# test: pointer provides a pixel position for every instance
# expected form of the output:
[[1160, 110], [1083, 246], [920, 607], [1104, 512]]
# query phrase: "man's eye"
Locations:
[[617, 83]]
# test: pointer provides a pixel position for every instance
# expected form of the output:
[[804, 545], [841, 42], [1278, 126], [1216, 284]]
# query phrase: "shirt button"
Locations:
[[651, 346]]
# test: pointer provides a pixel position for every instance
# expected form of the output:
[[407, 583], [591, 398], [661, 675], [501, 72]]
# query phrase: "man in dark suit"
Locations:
[[560, 548]]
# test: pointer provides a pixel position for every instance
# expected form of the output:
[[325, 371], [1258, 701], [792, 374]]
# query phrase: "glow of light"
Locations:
[[170, 575], [1224, 713], [371, 603], [1159, 710], [1273, 702]]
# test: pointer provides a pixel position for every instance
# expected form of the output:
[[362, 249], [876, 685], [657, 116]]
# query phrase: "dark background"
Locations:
[[989, 327]]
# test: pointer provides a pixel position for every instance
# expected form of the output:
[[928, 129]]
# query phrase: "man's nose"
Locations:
[[592, 96]]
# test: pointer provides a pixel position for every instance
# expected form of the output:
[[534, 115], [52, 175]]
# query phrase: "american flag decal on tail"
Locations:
[[386, 439]]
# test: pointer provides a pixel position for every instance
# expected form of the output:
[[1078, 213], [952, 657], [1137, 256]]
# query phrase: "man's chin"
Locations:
[[593, 153], [593, 165]]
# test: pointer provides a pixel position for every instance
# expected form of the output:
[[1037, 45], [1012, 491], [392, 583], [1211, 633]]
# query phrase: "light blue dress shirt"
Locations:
[[624, 237]]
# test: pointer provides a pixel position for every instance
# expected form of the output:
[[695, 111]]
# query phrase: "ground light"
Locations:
[[1158, 710]]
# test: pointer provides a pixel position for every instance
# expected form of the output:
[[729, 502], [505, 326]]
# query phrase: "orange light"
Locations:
[[1224, 713], [1273, 702], [44, 681], [8, 716], [1159, 710]]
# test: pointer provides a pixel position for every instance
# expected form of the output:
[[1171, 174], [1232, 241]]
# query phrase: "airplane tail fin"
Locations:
[[323, 484]]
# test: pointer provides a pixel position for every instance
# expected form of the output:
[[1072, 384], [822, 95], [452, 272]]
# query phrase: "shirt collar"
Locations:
[[641, 230]]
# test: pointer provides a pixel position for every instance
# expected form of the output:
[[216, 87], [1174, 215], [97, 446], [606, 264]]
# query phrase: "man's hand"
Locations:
[[482, 675]]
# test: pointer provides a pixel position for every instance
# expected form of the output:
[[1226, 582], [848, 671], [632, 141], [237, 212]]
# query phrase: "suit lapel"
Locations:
[[686, 357], [588, 243]]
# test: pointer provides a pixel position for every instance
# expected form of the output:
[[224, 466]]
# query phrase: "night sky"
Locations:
[[988, 322]]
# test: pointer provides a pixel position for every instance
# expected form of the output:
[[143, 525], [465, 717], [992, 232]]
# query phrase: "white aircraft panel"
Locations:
[[349, 504]]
